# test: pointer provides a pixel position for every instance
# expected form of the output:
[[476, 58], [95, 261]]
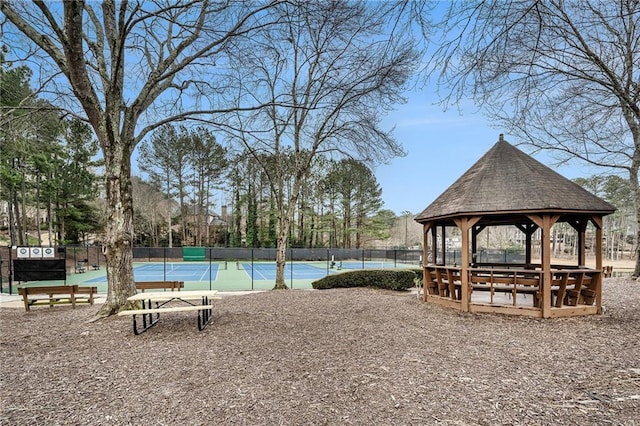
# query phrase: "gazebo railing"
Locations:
[[569, 286]]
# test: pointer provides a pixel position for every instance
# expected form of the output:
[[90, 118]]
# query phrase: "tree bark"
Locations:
[[636, 191], [118, 244], [281, 252]]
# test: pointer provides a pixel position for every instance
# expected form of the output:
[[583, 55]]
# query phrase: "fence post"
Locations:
[[10, 269], [164, 262], [328, 262]]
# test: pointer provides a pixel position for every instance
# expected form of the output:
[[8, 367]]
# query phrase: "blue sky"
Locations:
[[441, 146]]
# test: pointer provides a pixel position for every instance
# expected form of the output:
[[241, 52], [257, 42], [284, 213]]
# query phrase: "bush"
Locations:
[[390, 279]]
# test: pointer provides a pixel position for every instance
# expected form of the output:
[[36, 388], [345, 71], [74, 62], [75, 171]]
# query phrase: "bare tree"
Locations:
[[163, 158], [326, 72], [127, 68], [208, 161], [564, 76]]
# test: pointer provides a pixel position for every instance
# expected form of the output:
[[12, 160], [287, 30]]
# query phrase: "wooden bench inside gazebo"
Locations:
[[506, 187]]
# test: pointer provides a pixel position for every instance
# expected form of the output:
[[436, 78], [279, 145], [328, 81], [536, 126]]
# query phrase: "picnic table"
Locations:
[[155, 303]]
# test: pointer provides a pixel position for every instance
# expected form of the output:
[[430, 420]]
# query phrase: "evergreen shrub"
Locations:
[[390, 279]]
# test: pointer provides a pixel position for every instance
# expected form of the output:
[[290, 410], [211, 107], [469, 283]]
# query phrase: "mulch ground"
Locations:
[[333, 357]]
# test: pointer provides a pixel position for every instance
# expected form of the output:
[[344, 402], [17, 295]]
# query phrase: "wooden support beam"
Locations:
[[425, 258], [597, 222], [545, 222], [443, 245], [434, 245], [475, 231], [465, 224], [580, 225], [528, 229]]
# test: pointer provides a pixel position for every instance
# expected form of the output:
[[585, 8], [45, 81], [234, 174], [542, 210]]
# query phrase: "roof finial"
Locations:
[[501, 138]]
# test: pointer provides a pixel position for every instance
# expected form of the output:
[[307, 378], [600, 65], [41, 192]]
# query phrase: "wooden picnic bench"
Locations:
[[150, 314], [509, 281], [57, 294], [445, 281], [159, 285], [574, 286]]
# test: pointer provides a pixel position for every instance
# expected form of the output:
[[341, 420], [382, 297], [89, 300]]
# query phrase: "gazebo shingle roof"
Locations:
[[506, 180]]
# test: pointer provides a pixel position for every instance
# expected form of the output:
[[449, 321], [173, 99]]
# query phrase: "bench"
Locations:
[[58, 294], [574, 287], [159, 285], [512, 282], [95, 266], [443, 281], [79, 269]]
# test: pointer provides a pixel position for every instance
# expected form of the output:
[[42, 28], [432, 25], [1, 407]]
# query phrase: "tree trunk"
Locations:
[[12, 220], [117, 246], [169, 212], [25, 226], [39, 231], [635, 188], [52, 243], [17, 220], [281, 254], [636, 271]]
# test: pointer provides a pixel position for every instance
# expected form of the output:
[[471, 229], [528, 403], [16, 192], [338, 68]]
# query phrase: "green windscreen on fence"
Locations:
[[193, 253]]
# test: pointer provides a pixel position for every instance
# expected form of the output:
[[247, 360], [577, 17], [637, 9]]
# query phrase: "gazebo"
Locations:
[[507, 187]]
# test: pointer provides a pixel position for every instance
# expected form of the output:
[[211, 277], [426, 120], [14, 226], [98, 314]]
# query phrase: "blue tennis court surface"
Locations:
[[365, 265], [170, 272], [299, 271]]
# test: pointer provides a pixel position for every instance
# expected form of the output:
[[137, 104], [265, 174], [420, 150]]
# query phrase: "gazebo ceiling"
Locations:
[[505, 185]]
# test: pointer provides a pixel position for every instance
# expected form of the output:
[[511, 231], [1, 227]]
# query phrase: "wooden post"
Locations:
[[582, 243], [528, 230], [597, 222], [474, 245], [425, 257], [443, 244], [465, 224], [545, 222], [475, 230], [434, 245]]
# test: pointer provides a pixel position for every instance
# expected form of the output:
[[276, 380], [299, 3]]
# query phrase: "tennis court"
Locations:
[[209, 268], [295, 271], [214, 275], [170, 271], [226, 269]]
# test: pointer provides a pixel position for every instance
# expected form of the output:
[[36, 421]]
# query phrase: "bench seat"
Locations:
[[506, 288], [159, 285], [161, 310], [150, 316], [55, 295]]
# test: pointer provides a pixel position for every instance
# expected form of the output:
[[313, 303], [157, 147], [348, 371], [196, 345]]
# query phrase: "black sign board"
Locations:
[[39, 269]]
